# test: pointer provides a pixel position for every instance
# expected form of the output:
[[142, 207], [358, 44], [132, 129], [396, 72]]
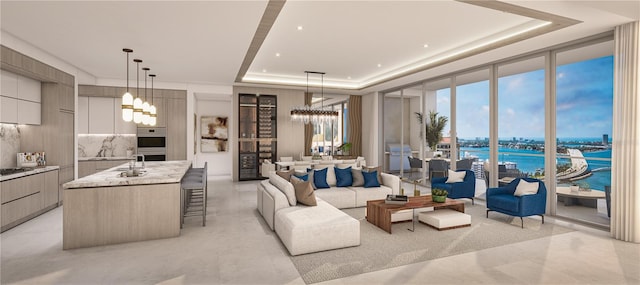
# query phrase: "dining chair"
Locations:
[[438, 166]]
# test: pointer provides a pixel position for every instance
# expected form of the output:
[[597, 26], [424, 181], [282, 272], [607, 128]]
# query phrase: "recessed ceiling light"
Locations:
[[264, 70], [425, 45], [348, 77], [299, 28], [379, 65], [277, 54]]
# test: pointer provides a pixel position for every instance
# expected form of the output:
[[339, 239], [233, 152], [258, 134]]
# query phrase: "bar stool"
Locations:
[[194, 194]]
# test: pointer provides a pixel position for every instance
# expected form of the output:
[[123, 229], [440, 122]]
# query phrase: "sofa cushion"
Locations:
[[284, 186], [505, 202], [344, 177], [331, 174], [339, 197], [286, 174], [365, 194], [304, 191], [305, 229], [526, 188], [320, 179], [358, 179], [371, 179], [455, 176]]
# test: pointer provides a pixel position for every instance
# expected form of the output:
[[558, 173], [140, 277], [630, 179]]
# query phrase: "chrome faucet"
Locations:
[[135, 158]]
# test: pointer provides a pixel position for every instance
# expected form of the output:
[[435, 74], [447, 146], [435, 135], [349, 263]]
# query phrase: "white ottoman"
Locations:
[[445, 219]]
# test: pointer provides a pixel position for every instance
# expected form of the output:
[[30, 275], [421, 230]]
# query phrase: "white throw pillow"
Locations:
[[284, 186], [331, 173], [455, 176], [526, 188]]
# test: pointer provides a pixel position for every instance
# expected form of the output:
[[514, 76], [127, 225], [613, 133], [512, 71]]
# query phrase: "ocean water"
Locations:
[[527, 163]]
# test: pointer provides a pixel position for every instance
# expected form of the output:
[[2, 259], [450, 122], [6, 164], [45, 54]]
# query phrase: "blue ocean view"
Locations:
[[527, 163]]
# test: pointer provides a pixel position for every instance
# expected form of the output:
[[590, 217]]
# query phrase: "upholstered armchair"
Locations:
[[503, 200], [464, 189]]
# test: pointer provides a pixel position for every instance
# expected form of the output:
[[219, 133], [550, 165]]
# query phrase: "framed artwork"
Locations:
[[213, 134]]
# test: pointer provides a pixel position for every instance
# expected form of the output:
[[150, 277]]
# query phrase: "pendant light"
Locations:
[[145, 105], [137, 103], [307, 114], [152, 110], [127, 98]]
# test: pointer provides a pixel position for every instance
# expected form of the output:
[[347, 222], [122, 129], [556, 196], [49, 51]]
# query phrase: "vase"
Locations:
[[439, 199], [416, 193]]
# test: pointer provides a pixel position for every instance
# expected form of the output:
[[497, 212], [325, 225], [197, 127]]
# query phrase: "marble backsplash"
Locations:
[[106, 145], [9, 145]]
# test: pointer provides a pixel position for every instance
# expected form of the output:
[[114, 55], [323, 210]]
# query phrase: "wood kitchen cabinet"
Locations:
[[176, 129], [88, 167], [29, 196]]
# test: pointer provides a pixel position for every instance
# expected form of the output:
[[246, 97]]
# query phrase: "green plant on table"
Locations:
[[439, 192]]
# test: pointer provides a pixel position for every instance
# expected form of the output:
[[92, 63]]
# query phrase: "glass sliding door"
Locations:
[[521, 119], [584, 100], [472, 122]]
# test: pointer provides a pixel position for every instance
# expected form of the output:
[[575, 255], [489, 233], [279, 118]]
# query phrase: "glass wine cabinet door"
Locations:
[[257, 133]]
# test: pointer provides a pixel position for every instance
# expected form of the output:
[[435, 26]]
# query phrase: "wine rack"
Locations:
[[257, 133]]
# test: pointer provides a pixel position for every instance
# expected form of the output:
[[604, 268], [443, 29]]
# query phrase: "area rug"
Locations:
[[380, 250]]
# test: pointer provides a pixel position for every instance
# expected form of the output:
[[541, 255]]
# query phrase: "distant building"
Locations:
[[605, 140]]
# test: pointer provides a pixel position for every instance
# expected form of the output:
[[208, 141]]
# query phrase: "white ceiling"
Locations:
[[206, 41]]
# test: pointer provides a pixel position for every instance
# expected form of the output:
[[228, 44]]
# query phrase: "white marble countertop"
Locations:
[[93, 158], [157, 172], [36, 170]]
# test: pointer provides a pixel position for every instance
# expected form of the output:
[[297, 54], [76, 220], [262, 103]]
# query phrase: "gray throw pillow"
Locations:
[[358, 179]]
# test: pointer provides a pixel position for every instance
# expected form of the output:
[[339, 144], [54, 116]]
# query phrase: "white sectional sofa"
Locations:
[[305, 229]]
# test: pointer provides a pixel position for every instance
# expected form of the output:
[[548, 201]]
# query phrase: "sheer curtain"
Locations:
[[625, 166]]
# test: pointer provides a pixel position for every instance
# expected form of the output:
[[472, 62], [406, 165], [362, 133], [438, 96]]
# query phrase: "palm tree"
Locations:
[[433, 128]]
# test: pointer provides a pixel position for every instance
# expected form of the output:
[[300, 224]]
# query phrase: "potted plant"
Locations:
[[574, 187], [433, 128], [439, 195], [345, 148], [584, 186]]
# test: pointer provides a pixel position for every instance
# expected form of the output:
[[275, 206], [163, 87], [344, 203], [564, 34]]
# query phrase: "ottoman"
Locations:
[[445, 219]]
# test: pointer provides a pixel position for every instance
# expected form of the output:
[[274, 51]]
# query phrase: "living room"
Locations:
[[475, 75]]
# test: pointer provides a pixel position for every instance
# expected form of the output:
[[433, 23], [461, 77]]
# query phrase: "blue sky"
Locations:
[[584, 103]]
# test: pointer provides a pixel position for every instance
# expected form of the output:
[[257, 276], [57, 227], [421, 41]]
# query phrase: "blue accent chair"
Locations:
[[464, 189], [501, 200]]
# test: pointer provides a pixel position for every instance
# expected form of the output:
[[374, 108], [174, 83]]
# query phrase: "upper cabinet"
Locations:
[[102, 115], [20, 101]]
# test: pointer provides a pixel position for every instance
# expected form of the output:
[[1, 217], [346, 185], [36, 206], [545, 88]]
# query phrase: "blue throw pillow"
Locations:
[[302, 176], [320, 179], [344, 177], [370, 179]]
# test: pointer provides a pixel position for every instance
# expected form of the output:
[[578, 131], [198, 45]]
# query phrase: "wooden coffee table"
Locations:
[[379, 213]]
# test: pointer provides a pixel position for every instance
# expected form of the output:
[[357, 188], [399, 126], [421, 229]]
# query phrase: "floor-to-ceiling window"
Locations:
[[521, 119], [328, 136], [584, 110], [472, 118], [583, 103]]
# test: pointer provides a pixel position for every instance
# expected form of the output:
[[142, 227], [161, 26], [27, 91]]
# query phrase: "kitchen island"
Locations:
[[105, 208]]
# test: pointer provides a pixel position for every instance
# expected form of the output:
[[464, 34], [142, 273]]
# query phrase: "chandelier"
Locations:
[[308, 114]]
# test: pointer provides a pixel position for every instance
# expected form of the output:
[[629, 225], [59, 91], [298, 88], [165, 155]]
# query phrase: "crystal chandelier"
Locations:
[[307, 114]]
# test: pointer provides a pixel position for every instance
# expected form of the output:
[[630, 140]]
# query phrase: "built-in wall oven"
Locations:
[[152, 143]]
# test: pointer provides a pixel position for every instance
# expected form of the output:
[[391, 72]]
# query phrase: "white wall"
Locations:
[[220, 106]]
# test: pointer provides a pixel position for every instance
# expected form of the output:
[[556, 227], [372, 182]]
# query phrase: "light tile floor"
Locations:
[[237, 247]]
